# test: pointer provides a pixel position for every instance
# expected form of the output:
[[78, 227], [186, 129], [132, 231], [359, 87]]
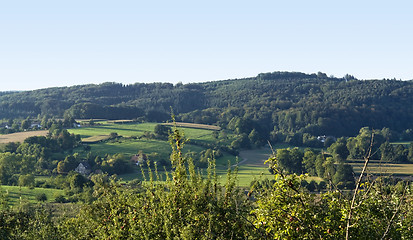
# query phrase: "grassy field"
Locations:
[[21, 136], [16, 194], [95, 139], [93, 134], [376, 167], [104, 128], [194, 125], [406, 144], [137, 130]]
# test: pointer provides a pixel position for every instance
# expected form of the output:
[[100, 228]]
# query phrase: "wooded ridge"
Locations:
[[272, 103]]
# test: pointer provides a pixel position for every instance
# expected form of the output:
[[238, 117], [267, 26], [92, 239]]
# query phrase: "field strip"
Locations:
[[21, 136], [95, 139], [194, 125]]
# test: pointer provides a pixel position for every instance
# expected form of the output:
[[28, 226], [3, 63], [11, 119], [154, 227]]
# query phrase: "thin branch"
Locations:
[[353, 201], [395, 213], [272, 149]]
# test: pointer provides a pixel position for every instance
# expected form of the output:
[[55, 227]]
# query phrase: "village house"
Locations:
[[83, 168], [139, 158]]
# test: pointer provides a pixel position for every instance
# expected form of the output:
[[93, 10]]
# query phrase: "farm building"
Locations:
[[83, 168], [139, 158]]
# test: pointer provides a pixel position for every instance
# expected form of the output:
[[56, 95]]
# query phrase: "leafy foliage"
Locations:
[[186, 206]]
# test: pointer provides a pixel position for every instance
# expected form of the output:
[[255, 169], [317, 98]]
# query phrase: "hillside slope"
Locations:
[[278, 102]]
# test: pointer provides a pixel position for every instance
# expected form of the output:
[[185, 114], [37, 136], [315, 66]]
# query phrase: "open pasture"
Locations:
[[15, 194], [94, 134], [126, 130], [136, 129]]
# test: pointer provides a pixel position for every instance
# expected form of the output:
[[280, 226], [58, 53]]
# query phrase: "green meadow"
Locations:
[[130, 146], [106, 128], [16, 194]]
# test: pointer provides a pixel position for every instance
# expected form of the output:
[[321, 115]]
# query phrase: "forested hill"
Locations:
[[271, 103]]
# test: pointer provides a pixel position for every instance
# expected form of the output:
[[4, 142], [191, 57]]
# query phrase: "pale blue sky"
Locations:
[[63, 43]]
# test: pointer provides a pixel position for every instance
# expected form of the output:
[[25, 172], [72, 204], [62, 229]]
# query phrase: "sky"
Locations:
[[63, 43]]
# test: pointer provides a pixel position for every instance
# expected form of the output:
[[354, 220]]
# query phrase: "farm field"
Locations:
[[194, 125], [101, 131], [15, 193], [21, 136], [105, 128], [95, 139], [137, 130], [377, 167]]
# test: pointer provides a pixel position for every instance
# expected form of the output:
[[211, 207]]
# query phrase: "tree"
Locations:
[[255, 138], [309, 161], [162, 130], [339, 149], [344, 176], [76, 181], [41, 197], [387, 152], [319, 165], [26, 180], [410, 154], [8, 166], [290, 160], [113, 135], [25, 124], [67, 165]]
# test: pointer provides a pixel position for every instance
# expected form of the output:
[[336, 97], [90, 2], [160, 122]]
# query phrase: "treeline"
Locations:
[[281, 106]]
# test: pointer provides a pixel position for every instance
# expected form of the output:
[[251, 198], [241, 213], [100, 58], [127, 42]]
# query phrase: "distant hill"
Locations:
[[271, 103]]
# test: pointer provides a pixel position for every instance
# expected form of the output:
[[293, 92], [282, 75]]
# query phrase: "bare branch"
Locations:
[[356, 189], [395, 213]]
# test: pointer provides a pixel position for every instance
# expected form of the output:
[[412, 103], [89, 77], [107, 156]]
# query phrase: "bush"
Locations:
[[41, 197], [60, 199]]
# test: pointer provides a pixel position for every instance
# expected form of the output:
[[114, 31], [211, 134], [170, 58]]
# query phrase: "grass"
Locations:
[[94, 134], [406, 143], [137, 130], [21, 136], [378, 168], [126, 130], [95, 139], [195, 125], [17, 194], [249, 169], [129, 147]]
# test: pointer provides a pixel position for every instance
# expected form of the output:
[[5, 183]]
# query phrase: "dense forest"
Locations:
[[281, 106]]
